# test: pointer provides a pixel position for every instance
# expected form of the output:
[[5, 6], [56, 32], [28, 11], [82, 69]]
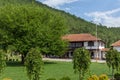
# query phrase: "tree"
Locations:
[[2, 61], [81, 61], [29, 26], [113, 60], [33, 63]]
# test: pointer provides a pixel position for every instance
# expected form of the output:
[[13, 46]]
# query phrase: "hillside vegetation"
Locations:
[[75, 24]]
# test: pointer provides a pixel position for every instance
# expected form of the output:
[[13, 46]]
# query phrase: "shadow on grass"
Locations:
[[49, 62], [14, 64], [19, 64]]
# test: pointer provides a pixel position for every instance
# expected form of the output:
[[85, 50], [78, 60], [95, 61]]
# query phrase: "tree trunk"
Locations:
[[22, 58], [80, 75], [112, 74]]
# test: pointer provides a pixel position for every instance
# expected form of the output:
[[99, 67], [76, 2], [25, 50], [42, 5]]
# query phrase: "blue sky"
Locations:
[[106, 12]]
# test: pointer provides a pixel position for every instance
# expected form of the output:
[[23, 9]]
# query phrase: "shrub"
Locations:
[[10, 59], [33, 63], [93, 77], [103, 77], [117, 76], [2, 61], [65, 78], [51, 79], [7, 79]]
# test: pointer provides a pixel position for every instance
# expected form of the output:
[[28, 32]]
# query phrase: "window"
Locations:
[[79, 44], [76, 44], [90, 43], [72, 45]]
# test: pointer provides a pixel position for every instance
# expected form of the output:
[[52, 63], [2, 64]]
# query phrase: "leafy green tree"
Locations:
[[2, 61], [28, 26], [113, 60], [75, 24], [81, 61], [33, 63]]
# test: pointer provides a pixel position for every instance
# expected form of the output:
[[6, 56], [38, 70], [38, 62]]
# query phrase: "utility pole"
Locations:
[[96, 43]]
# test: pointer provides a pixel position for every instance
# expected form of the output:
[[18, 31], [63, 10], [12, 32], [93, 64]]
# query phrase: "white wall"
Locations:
[[117, 48], [85, 44], [98, 54], [97, 45]]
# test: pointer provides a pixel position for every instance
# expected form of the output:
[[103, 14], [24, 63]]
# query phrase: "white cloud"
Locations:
[[106, 18], [68, 9], [57, 3]]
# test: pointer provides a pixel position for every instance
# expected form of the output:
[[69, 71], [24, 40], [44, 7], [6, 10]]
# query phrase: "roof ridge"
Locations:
[[80, 37], [117, 43]]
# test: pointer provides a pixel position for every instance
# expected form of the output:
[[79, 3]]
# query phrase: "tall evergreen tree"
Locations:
[[113, 60], [33, 63], [81, 61], [2, 61]]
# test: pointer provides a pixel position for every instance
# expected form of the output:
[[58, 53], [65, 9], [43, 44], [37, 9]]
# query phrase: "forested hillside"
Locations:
[[75, 24]]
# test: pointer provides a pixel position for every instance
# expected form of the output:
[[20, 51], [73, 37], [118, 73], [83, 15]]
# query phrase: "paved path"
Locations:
[[70, 60]]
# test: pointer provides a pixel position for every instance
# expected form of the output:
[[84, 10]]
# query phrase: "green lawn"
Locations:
[[15, 71]]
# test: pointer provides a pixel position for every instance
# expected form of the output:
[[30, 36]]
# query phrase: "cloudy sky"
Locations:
[[106, 12]]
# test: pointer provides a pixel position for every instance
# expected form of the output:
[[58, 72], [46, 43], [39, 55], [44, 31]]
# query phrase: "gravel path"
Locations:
[[70, 60]]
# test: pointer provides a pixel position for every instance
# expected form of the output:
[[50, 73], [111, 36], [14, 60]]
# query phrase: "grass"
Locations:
[[15, 71]]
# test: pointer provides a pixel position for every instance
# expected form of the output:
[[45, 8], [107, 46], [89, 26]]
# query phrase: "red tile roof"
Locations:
[[80, 37], [105, 49], [116, 43]]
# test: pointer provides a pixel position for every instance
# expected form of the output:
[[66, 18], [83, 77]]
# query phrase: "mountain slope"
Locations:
[[78, 25], [75, 24]]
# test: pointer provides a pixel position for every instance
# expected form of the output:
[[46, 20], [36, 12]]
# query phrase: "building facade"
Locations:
[[116, 45], [93, 44]]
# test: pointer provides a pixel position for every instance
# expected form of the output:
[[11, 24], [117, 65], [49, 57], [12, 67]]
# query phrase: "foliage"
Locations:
[[113, 60], [117, 76], [93, 77], [81, 61], [2, 61], [7, 79], [51, 79], [65, 78], [34, 64], [75, 24], [29, 25], [103, 77]]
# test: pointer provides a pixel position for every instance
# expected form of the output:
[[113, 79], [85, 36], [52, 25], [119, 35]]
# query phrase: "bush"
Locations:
[[117, 76], [7, 79], [103, 77], [65, 78], [93, 77], [33, 64], [2, 61], [51, 79]]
